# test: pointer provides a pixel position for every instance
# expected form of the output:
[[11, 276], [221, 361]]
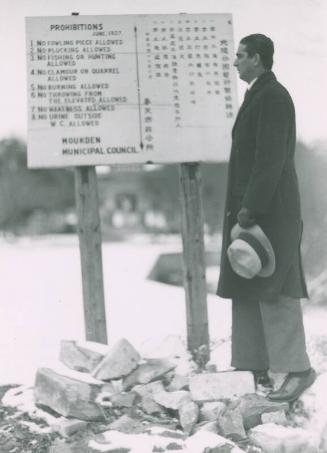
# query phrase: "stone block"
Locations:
[[172, 400], [278, 417], [212, 427], [149, 406], [82, 356], [179, 383], [188, 414], [126, 424], [185, 366], [274, 438], [113, 387], [167, 377], [149, 389], [230, 424], [109, 390], [211, 411], [121, 359], [252, 406], [67, 427], [149, 371], [124, 399], [207, 442], [173, 348], [70, 395], [225, 385]]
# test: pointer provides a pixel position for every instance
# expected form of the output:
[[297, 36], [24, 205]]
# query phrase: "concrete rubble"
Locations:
[[278, 417], [67, 427], [212, 427], [211, 411], [172, 400], [124, 399], [148, 371], [70, 396], [149, 406], [141, 403], [230, 423], [127, 425], [121, 359], [253, 406], [188, 414], [274, 438], [223, 385], [178, 382], [82, 356]]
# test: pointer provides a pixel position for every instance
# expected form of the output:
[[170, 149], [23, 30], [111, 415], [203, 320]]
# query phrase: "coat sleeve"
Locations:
[[272, 134]]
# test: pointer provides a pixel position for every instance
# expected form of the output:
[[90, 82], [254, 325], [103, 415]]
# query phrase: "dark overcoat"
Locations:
[[262, 178]]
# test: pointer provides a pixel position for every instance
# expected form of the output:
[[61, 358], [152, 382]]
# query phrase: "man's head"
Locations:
[[254, 56]]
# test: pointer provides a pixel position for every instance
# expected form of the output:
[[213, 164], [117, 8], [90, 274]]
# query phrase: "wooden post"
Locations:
[[194, 262], [89, 232]]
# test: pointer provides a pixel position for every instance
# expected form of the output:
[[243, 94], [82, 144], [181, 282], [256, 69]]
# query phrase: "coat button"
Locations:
[[228, 213]]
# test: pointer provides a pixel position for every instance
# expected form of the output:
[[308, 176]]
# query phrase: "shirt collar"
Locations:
[[252, 83]]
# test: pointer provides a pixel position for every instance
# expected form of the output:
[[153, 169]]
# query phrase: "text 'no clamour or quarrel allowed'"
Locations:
[[154, 88]]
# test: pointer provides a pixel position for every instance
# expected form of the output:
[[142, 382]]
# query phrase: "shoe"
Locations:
[[293, 386]]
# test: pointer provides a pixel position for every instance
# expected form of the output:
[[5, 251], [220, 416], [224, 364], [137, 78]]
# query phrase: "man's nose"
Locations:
[[235, 62]]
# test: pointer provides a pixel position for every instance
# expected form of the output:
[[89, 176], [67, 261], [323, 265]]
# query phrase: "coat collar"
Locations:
[[262, 80], [266, 77]]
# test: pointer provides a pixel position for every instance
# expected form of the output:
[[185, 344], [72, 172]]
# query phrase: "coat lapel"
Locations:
[[266, 77]]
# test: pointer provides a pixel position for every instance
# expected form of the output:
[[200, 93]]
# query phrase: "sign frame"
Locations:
[[176, 115]]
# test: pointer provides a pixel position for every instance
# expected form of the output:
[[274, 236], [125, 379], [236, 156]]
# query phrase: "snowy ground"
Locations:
[[41, 301]]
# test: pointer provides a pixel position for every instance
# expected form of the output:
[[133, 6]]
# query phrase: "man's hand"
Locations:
[[245, 218]]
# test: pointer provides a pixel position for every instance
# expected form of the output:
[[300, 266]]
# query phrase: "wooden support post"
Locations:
[[89, 232], [194, 262]]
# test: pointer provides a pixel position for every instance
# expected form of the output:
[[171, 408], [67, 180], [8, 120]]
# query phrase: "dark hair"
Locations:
[[261, 45]]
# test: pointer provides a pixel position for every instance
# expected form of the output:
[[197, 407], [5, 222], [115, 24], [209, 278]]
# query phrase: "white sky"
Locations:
[[297, 27]]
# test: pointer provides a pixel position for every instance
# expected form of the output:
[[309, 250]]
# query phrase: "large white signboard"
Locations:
[[129, 89]]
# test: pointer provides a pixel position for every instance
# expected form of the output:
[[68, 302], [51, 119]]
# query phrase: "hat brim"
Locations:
[[256, 231]]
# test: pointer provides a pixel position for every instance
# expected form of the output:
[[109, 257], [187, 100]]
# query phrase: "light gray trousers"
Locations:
[[269, 335]]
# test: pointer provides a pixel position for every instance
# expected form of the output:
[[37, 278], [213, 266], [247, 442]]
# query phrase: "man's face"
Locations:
[[245, 65]]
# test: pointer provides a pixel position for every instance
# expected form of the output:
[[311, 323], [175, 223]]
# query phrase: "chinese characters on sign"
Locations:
[[129, 89]]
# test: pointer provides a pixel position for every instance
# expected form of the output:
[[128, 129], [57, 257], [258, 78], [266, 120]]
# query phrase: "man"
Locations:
[[267, 324]]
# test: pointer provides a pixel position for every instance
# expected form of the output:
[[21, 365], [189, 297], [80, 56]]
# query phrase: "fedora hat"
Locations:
[[251, 254]]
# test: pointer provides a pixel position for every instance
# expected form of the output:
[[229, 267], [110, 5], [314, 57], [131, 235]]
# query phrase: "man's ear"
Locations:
[[256, 59]]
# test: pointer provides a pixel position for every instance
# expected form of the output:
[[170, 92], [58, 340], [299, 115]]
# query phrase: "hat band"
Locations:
[[256, 245]]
